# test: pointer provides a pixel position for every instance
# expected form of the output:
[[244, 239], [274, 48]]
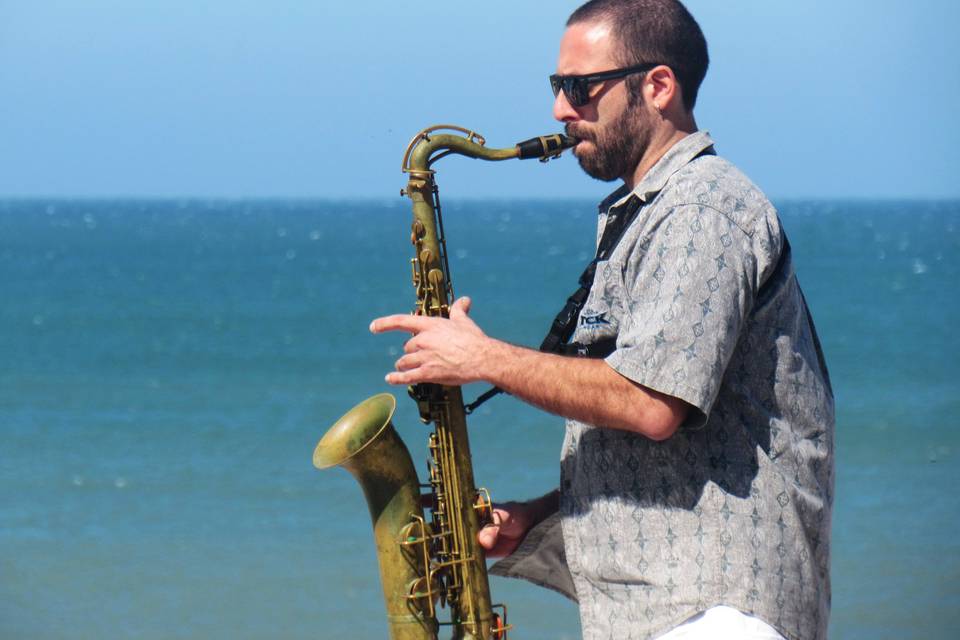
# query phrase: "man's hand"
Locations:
[[448, 351], [511, 521]]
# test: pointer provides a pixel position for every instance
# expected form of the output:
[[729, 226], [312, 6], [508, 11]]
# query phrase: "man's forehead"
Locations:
[[596, 32], [586, 47]]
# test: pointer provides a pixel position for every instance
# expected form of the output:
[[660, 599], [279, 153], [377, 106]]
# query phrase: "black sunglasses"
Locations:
[[577, 88]]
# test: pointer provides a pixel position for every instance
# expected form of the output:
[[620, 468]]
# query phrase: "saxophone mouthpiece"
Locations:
[[545, 147]]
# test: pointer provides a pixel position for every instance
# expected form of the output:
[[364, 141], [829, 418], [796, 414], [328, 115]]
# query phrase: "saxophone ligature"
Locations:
[[428, 563]]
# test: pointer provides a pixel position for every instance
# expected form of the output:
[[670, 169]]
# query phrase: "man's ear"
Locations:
[[660, 88]]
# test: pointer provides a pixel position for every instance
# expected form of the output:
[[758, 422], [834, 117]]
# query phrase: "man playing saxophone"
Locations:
[[697, 467]]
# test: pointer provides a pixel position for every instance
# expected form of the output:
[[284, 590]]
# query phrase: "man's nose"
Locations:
[[563, 110]]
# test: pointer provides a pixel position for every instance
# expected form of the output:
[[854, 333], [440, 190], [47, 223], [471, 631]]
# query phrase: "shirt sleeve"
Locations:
[[688, 286]]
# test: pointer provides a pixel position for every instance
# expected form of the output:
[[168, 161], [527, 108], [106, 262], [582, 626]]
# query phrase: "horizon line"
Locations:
[[367, 198]]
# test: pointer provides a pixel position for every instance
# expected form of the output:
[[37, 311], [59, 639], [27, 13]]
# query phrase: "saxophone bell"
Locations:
[[365, 443]]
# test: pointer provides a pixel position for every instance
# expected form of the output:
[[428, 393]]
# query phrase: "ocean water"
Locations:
[[166, 368]]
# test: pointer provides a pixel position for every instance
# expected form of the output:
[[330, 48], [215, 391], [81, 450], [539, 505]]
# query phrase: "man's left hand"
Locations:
[[448, 351]]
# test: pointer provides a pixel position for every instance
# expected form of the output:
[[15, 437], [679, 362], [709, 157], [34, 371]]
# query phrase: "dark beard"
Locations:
[[618, 147]]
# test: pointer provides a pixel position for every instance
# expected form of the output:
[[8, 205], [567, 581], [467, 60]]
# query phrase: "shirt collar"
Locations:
[[677, 157]]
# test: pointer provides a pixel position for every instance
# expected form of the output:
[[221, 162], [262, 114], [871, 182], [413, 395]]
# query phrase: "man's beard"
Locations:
[[618, 146]]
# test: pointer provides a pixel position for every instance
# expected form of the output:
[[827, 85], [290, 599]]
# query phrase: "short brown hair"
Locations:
[[661, 31]]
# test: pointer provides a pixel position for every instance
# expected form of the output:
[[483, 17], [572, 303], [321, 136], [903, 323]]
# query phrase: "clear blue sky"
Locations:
[[813, 98]]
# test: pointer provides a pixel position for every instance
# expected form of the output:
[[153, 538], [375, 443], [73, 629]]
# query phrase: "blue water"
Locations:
[[166, 369]]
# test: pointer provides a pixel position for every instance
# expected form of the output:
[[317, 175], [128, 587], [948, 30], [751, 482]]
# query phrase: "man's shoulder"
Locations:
[[714, 183]]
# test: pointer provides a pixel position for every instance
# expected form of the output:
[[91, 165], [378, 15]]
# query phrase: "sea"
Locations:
[[167, 367]]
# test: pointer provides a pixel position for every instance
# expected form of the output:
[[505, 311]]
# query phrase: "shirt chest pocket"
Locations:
[[601, 316]]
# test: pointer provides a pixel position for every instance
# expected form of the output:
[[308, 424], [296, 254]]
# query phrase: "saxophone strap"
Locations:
[[563, 326]]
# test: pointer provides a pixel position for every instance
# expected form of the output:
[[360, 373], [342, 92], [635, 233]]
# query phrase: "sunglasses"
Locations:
[[577, 88]]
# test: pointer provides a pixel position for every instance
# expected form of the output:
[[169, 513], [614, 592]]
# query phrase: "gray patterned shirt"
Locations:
[[734, 508]]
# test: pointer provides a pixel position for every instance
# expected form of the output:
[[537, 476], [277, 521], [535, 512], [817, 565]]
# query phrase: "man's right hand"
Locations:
[[511, 523]]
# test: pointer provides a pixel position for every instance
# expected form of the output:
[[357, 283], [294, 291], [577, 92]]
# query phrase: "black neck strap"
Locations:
[[563, 326]]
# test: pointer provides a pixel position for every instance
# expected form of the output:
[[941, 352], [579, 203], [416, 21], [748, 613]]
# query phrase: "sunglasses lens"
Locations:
[[555, 84], [579, 92], [575, 89]]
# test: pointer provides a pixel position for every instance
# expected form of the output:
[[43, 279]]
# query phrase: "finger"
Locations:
[[412, 376], [409, 362], [487, 537], [411, 345], [501, 516], [509, 525], [400, 322], [460, 307], [424, 373]]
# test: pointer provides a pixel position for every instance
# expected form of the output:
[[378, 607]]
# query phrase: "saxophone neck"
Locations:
[[428, 146]]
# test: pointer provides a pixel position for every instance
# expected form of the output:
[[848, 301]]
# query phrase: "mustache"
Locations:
[[576, 132]]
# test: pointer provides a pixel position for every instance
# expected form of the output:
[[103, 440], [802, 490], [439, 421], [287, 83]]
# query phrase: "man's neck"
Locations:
[[662, 141]]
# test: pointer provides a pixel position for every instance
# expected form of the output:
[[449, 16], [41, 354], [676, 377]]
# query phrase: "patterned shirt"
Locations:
[[734, 508]]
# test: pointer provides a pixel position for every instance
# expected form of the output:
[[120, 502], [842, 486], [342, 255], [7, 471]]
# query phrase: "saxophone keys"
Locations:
[[435, 276], [415, 275], [500, 626], [483, 505], [415, 534], [417, 231], [425, 594]]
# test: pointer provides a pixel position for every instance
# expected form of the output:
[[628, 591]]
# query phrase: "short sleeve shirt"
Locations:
[[703, 303]]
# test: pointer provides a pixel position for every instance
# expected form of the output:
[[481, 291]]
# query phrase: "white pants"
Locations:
[[722, 623]]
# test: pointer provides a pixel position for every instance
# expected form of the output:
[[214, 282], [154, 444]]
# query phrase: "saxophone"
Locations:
[[426, 564]]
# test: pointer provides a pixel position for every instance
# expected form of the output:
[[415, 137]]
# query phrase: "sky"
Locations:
[[287, 98]]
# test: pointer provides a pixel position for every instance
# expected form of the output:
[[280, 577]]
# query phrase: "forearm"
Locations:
[[454, 351], [583, 389]]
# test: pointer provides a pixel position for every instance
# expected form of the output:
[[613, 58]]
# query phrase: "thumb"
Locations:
[[460, 307], [488, 535]]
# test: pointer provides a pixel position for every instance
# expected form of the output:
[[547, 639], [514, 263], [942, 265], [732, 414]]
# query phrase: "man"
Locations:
[[697, 469]]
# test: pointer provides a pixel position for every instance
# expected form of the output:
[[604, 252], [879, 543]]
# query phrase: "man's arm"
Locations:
[[455, 351]]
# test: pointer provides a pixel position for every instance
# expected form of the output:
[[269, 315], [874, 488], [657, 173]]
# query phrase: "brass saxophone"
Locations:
[[428, 563]]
